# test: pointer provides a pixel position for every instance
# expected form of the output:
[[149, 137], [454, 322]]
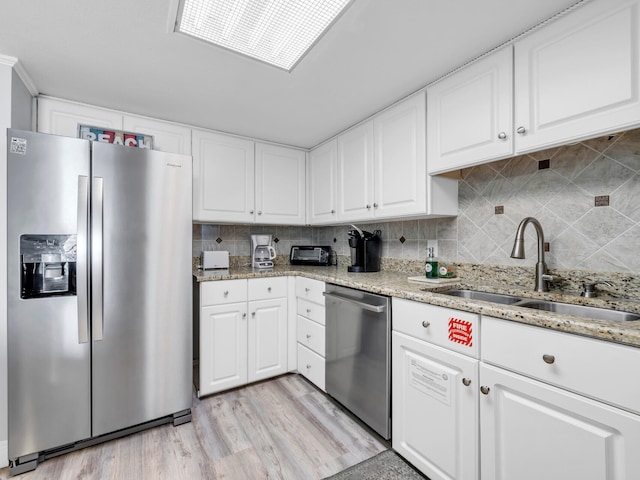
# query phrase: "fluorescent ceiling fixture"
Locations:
[[278, 32]]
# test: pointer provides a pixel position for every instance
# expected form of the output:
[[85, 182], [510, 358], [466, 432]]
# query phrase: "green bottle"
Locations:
[[431, 267]]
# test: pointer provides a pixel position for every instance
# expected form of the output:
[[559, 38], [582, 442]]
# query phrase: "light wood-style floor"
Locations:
[[278, 429]]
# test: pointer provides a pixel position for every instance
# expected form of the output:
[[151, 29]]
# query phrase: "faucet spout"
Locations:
[[542, 284]]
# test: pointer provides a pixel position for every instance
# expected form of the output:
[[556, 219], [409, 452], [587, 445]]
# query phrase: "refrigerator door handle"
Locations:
[[96, 258], [82, 285]]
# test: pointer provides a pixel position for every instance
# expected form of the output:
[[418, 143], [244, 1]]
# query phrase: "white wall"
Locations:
[[15, 111]]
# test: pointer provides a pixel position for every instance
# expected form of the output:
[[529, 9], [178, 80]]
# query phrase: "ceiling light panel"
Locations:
[[278, 32]]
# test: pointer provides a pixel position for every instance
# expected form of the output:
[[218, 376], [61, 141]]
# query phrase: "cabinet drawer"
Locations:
[[595, 368], [311, 334], [311, 365], [265, 288], [451, 329], [223, 291], [310, 289], [311, 310]]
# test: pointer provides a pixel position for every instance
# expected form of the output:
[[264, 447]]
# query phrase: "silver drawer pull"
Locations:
[[308, 310], [548, 358], [308, 367], [308, 336], [485, 390], [269, 289], [244, 315], [306, 290], [466, 382], [426, 324], [226, 292]]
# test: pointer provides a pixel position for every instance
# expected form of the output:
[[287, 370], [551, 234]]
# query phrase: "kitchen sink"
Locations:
[[580, 310], [546, 305], [484, 296]]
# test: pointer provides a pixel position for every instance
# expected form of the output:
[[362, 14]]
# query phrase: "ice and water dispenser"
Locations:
[[48, 265]]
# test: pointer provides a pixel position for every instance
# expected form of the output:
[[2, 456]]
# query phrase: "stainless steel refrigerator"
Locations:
[[99, 292]]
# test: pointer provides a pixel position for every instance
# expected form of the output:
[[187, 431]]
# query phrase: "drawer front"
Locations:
[[310, 290], [311, 310], [448, 328], [599, 369], [222, 291], [311, 335], [311, 365], [266, 288]]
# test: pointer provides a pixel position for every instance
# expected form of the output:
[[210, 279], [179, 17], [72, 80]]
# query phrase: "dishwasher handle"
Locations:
[[363, 305]]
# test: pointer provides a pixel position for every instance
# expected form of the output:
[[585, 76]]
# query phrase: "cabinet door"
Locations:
[[280, 185], [355, 173], [223, 347], [578, 77], [530, 431], [223, 171], [400, 169], [267, 338], [469, 114], [435, 409], [322, 183], [62, 118], [167, 137]]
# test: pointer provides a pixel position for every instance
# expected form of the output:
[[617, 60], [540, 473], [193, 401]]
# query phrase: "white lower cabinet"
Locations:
[[242, 332], [435, 390], [311, 330], [532, 430]]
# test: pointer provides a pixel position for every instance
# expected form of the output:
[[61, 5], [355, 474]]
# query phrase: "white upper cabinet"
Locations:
[[400, 169], [470, 114], [280, 185], [382, 171], [167, 137], [60, 117], [579, 76], [575, 78], [223, 173], [322, 183], [355, 173]]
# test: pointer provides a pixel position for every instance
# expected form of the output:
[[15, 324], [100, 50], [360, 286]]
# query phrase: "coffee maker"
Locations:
[[365, 250], [262, 253]]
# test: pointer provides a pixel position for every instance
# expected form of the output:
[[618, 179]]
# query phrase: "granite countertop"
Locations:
[[395, 284]]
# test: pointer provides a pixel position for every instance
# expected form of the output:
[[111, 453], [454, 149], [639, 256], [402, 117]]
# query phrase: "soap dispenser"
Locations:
[[431, 267]]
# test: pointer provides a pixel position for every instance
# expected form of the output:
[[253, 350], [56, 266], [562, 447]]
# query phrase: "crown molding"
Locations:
[[22, 73]]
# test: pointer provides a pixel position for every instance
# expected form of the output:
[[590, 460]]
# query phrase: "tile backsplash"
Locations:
[[493, 198]]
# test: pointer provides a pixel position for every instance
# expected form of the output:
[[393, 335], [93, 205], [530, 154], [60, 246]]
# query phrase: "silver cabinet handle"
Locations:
[[250, 212], [308, 310], [548, 358], [82, 284], [333, 212], [362, 305], [466, 382], [306, 290], [426, 324], [253, 314], [308, 336], [259, 212], [97, 258], [502, 136], [269, 289], [244, 315], [521, 130], [485, 390], [308, 367], [368, 207], [375, 205], [226, 293]]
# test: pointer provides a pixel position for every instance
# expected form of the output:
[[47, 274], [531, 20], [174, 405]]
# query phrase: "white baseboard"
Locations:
[[4, 453]]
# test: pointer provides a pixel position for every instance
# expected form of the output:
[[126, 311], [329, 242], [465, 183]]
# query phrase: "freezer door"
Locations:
[[48, 352], [141, 285]]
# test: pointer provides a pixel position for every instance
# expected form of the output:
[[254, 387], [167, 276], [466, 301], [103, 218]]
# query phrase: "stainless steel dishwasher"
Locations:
[[358, 344]]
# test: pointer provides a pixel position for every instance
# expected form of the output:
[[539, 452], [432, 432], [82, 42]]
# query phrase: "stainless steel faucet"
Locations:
[[542, 278]]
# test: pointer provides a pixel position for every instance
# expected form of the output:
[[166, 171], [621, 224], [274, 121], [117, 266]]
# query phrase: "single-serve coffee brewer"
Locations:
[[262, 253], [365, 250]]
